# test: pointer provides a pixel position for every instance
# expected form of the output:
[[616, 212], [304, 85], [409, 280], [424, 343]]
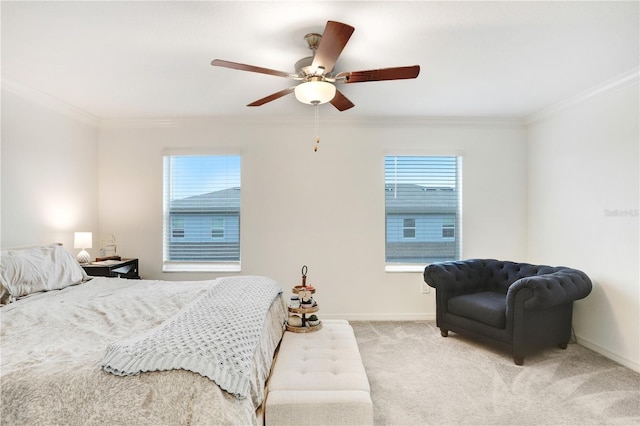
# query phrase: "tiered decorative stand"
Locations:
[[306, 290]]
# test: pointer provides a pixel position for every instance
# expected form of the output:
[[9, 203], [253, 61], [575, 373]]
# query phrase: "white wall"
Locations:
[[49, 170], [326, 209], [323, 209], [583, 187]]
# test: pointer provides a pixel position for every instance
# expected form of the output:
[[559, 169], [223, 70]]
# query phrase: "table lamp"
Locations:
[[83, 240]]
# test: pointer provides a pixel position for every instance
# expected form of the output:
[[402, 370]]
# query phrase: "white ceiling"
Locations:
[[125, 59]]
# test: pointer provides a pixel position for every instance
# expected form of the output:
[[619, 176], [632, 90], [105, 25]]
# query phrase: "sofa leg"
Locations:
[[444, 333], [519, 360], [562, 345]]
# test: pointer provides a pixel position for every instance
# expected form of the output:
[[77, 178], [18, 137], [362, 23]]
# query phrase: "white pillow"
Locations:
[[30, 270]]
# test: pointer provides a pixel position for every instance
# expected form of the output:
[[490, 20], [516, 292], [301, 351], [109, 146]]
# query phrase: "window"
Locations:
[[177, 227], [422, 210], [201, 213], [449, 228], [409, 228], [217, 227]]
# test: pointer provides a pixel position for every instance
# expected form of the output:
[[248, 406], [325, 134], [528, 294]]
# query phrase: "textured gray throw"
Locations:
[[215, 336]]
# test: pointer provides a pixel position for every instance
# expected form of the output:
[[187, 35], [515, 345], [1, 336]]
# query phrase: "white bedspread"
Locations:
[[52, 346]]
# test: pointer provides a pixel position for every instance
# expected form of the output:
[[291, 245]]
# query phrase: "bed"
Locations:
[[54, 341]]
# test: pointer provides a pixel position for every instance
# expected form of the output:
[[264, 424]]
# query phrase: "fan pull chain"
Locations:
[[317, 126]]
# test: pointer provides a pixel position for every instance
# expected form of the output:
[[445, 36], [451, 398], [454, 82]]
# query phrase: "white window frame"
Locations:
[[416, 267], [177, 266]]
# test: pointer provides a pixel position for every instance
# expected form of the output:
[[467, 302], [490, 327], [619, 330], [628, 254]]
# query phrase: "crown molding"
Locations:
[[278, 121], [622, 81], [55, 104], [114, 123], [49, 102]]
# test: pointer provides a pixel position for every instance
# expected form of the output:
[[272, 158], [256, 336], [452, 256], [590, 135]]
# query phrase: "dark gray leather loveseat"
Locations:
[[519, 306]]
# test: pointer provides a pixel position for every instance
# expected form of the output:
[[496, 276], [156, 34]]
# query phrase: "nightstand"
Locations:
[[125, 268]]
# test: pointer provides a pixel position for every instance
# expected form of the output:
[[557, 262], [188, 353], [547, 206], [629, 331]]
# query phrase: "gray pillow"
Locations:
[[31, 270]]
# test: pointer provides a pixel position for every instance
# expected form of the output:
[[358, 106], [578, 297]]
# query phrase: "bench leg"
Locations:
[[519, 360], [562, 345], [444, 333]]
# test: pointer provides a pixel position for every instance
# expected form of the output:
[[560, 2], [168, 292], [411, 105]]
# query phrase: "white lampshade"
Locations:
[[313, 92], [83, 240]]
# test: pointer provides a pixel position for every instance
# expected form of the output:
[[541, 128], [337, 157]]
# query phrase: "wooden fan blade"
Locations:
[[341, 102], [334, 39], [245, 67], [396, 73], [272, 97]]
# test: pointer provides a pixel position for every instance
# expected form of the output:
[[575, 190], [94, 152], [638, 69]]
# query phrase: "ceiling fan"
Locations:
[[316, 72]]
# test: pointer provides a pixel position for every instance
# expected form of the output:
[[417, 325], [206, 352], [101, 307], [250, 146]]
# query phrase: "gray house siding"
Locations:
[[209, 227], [203, 227], [416, 252], [422, 224], [428, 227]]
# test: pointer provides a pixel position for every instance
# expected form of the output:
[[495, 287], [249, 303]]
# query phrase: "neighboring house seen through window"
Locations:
[[422, 209], [201, 212]]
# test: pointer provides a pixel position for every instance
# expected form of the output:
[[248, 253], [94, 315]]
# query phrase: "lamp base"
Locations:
[[83, 257]]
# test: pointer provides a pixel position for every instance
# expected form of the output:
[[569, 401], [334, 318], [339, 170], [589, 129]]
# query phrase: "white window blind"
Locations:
[[201, 212], [422, 209]]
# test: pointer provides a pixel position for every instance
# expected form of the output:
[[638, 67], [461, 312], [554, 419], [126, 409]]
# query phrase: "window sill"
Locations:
[[399, 267], [201, 267]]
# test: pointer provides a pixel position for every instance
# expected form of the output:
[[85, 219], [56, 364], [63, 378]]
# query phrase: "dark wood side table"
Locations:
[[125, 268]]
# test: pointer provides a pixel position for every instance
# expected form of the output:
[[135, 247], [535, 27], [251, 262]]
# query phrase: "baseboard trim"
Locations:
[[382, 317], [589, 344]]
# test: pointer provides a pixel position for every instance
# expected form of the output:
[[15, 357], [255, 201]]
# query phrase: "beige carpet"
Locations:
[[418, 377]]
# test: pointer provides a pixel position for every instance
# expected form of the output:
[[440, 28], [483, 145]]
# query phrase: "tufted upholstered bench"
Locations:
[[318, 379], [519, 306]]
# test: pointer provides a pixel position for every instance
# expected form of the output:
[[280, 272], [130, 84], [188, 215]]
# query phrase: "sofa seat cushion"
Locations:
[[487, 307]]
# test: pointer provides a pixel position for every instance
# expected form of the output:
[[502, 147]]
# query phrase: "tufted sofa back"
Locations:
[[500, 274], [474, 275]]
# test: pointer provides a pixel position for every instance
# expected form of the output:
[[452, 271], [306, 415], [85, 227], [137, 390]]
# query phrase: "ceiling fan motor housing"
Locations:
[[303, 67], [313, 40]]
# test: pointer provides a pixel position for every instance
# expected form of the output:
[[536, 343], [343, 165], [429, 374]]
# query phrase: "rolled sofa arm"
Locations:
[[555, 288], [457, 277]]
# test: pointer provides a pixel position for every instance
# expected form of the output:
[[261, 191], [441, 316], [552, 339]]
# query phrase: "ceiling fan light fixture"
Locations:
[[315, 92]]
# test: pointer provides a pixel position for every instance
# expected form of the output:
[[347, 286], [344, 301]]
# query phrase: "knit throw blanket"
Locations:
[[215, 336]]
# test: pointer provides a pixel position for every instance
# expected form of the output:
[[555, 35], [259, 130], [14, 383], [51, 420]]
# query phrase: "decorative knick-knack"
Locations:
[[302, 303], [295, 301], [294, 321]]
